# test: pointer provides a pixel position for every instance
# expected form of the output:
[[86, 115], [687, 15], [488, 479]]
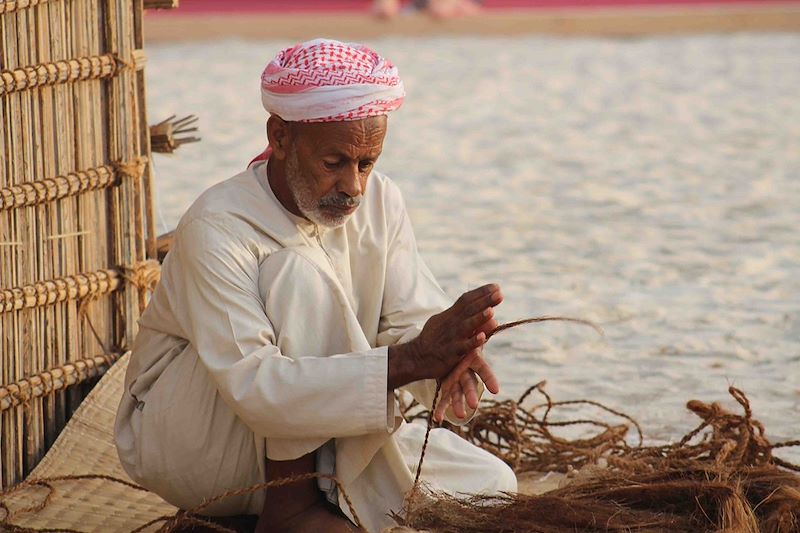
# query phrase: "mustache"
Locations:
[[340, 200]]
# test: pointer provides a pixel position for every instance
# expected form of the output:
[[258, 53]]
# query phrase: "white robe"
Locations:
[[267, 337]]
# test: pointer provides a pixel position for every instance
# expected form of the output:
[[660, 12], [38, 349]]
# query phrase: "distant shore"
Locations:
[[627, 21]]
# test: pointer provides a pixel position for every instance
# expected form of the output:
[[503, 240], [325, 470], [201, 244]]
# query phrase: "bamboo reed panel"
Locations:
[[128, 201], [71, 215], [50, 381]]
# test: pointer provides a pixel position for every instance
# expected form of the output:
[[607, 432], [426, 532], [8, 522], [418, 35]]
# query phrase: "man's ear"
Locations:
[[279, 136]]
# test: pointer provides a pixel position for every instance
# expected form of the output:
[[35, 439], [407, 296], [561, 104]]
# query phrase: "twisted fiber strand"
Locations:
[[516, 323], [54, 379], [47, 190], [79, 286], [410, 499], [600, 406], [9, 6], [56, 290], [143, 275], [83, 313], [62, 71]]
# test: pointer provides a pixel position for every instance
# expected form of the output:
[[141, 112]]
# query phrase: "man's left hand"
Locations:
[[459, 387]]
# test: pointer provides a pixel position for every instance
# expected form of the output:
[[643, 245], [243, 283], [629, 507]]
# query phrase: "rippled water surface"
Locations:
[[652, 186]]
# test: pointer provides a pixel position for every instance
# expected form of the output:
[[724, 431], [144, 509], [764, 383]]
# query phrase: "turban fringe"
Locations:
[[325, 81]]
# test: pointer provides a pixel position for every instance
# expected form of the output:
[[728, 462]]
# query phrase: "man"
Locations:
[[291, 308]]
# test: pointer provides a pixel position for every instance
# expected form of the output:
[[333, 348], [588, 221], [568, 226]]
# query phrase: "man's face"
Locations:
[[328, 164]]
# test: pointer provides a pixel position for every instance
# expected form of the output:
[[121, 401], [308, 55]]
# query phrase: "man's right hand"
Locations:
[[446, 338]]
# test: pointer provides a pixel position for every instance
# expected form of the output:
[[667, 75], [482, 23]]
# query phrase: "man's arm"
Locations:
[[412, 297]]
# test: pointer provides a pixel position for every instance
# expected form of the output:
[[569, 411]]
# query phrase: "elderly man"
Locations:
[[291, 307]]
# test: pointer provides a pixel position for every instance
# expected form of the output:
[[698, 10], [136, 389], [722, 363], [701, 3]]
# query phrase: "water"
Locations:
[[652, 186]]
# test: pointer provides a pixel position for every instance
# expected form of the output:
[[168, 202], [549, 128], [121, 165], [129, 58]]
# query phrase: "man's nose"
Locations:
[[350, 181]]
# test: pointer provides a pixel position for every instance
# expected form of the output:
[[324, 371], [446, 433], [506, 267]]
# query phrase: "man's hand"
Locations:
[[449, 348], [460, 386]]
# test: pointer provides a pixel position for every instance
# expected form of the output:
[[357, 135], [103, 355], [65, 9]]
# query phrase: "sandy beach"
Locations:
[[651, 185]]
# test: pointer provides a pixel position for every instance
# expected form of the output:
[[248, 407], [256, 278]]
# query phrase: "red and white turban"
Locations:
[[327, 81]]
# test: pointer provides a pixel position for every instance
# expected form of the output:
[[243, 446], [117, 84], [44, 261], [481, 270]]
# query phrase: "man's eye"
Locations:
[[365, 165], [331, 165]]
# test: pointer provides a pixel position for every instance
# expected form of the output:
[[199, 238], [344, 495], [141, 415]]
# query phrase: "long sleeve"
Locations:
[[223, 316], [411, 296]]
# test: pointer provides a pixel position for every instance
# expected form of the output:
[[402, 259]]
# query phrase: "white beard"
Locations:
[[303, 196]]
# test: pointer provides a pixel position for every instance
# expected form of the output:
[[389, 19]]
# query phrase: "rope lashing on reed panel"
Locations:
[[144, 275], [78, 286], [56, 290], [722, 475], [9, 6], [94, 67], [83, 287], [50, 189], [54, 379]]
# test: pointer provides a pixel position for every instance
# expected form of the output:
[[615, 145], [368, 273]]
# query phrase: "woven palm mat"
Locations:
[[84, 447], [721, 477]]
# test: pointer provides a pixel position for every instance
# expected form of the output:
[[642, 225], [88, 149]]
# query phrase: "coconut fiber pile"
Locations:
[[720, 477]]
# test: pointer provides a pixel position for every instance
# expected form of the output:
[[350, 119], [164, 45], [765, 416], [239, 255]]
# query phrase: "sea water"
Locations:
[[649, 185]]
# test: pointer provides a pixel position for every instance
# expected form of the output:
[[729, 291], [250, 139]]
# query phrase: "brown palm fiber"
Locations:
[[721, 477]]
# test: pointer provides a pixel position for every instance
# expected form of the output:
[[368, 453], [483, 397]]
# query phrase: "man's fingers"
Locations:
[[474, 361], [462, 366], [475, 323], [487, 327], [441, 406], [470, 296], [482, 368], [469, 389], [457, 400], [484, 302], [473, 343]]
